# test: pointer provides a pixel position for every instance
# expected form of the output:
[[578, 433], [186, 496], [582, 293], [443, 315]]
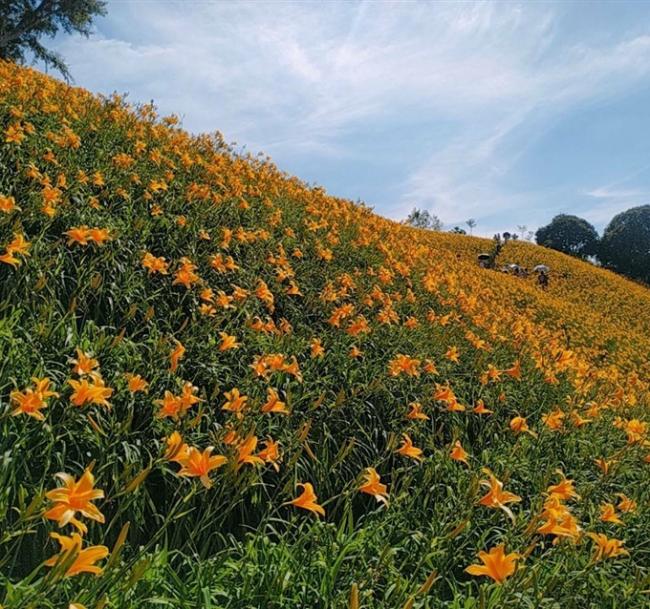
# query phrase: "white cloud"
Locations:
[[314, 80]]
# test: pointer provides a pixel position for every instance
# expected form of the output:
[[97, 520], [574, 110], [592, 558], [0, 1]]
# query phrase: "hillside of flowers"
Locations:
[[222, 388]]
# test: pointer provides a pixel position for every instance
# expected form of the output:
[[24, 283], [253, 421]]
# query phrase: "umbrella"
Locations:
[[541, 268]]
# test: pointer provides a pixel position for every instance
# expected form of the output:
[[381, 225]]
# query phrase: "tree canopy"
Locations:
[[569, 234], [625, 246], [423, 219], [24, 22]]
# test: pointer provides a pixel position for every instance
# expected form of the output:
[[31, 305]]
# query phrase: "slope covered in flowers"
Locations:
[[220, 387]]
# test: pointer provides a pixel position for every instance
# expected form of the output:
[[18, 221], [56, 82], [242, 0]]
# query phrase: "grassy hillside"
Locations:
[[189, 335]]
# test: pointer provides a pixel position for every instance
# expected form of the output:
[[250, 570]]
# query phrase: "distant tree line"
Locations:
[[624, 246]]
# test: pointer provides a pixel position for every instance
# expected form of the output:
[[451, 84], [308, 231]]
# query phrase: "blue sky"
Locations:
[[505, 112]]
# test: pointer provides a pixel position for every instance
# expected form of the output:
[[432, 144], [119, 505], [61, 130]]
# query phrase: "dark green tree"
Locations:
[[625, 246], [23, 23], [569, 234], [423, 219]]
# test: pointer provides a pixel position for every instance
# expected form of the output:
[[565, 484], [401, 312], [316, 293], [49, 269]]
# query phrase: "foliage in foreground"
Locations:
[[261, 396]]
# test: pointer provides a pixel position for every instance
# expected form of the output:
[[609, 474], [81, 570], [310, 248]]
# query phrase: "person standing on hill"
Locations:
[[542, 279]]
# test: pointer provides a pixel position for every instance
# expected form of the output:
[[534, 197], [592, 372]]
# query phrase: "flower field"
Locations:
[[222, 388]]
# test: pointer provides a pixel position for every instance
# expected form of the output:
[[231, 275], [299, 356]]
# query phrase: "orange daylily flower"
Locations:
[[415, 412], [85, 559], [86, 392], [273, 403], [8, 204], [154, 264], [458, 453], [496, 497], [176, 449], [17, 246], [355, 352], [185, 274], [496, 564], [626, 504], [270, 453], [245, 452], [176, 406], [373, 486], [608, 514], [604, 465], [307, 500], [607, 547], [84, 364], [32, 400], [519, 425], [558, 520], [453, 354], [403, 364], [480, 408], [200, 464], [234, 401], [554, 420], [564, 489], [636, 430], [317, 349], [136, 383], [227, 342], [408, 450], [176, 355], [514, 371], [75, 496], [82, 235]]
